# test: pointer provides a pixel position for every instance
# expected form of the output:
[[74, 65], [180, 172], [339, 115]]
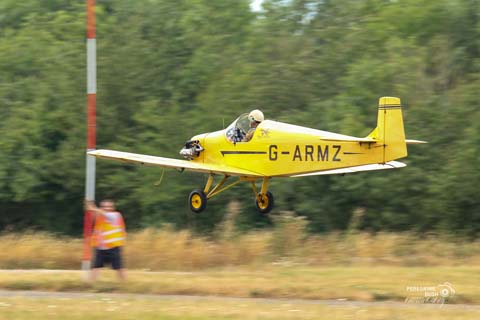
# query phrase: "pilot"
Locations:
[[255, 117]]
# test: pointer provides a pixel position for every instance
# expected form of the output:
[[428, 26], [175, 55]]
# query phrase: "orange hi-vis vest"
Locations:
[[108, 231]]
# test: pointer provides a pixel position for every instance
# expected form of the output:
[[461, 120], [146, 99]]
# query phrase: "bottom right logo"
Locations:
[[440, 294]]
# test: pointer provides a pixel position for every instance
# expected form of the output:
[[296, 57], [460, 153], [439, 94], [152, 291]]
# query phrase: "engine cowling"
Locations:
[[191, 150]]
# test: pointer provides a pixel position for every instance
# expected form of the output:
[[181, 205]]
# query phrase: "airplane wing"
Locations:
[[171, 163], [368, 167]]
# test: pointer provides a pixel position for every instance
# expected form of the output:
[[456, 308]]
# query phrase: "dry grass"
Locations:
[[272, 281], [285, 262], [288, 243], [39, 250], [189, 309]]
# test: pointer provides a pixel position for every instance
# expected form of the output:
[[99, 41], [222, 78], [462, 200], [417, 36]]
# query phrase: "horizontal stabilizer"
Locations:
[[352, 139], [367, 167], [411, 141]]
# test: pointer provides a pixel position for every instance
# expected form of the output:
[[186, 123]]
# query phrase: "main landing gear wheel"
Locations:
[[264, 202], [197, 201]]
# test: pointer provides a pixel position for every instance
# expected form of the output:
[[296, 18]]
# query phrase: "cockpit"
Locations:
[[237, 131]]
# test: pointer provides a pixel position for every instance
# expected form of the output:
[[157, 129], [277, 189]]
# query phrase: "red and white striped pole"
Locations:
[[91, 130]]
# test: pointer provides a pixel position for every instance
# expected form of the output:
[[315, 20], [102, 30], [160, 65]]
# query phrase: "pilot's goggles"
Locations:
[[251, 118]]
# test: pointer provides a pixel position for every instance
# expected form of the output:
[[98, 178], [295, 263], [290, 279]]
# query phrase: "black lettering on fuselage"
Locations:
[[336, 153], [297, 153], [272, 152], [323, 152], [322, 155], [308, 152]]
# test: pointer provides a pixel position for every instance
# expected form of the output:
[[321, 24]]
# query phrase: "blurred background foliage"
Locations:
[[170, 69]]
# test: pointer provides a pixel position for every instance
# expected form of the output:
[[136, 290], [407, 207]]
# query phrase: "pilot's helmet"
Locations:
[[255, 115]]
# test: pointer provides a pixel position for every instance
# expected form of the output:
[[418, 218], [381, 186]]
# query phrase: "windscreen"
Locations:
[[238, 129]]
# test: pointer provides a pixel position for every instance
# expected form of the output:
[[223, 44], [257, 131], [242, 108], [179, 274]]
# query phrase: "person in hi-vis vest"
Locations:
[[108, 237]]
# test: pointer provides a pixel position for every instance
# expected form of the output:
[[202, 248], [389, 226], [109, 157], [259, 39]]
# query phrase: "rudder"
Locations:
[[390, 129]]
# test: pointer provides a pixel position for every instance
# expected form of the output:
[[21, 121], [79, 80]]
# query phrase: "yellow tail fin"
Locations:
[[390, 129]]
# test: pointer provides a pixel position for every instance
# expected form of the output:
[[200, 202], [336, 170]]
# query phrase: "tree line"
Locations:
[[168, 70]]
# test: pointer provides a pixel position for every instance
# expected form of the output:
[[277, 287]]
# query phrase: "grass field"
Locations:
[[351, 283], [282, 263], [19, 308]]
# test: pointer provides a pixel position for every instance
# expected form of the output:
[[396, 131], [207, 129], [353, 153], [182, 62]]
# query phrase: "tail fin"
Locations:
[[390, 129]]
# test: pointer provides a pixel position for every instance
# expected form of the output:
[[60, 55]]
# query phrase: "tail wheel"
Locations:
[[264, 202], [197, 201]]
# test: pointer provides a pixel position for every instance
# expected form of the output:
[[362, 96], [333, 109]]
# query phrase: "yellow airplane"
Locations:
[[253, 149]]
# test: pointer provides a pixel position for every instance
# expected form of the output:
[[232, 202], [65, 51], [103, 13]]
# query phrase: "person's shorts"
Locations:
[[109, 256]]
